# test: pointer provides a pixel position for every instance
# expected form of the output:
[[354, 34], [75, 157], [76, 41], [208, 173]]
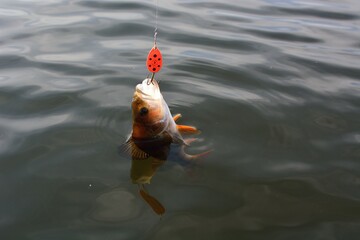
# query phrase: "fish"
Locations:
[[154, 130], [153, 126]]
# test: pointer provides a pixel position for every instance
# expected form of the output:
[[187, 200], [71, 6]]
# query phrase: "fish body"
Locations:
[[153, 127], [152, 120], [153, 131]]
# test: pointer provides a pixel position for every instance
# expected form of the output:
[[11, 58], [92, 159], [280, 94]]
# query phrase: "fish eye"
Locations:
[[143, 111]]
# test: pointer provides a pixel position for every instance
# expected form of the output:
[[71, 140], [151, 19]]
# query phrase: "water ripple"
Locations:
[[114, 5], [12, 12], [13, 61], [284, 36], [316, 13], [65, 57], [59, 21], [128, 29]]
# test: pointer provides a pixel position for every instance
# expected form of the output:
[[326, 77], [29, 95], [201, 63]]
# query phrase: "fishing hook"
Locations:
[[151, 80]]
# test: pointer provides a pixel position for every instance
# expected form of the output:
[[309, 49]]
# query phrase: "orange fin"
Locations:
[[188, 141], [176, 117], [153, 202], [196, 156], [187, 129]]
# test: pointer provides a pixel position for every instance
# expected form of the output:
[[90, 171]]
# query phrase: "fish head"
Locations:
[[148, 111]]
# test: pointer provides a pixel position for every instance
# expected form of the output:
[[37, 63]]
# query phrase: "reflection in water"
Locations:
[[153, 132]]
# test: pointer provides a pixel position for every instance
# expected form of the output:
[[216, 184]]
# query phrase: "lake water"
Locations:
[[273, 86]]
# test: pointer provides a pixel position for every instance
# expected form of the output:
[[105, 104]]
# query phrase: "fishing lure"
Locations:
[[154, 62], [154, 59]]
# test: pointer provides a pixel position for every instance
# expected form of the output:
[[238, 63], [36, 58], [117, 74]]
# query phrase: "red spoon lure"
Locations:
[[154, 60]]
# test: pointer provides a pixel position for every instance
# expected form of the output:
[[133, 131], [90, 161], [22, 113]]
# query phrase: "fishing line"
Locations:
[[156, 22]]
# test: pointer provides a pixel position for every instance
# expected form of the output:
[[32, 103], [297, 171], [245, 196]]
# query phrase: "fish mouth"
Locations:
[[148, 90]]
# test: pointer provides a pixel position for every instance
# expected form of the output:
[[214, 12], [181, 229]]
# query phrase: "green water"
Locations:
[[273, 86]]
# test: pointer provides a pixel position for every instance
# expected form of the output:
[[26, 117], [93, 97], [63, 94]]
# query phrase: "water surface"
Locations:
[[273, 85]]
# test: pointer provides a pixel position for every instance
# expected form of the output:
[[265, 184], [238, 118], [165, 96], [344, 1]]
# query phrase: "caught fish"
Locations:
[[153, 131], [153, 126]]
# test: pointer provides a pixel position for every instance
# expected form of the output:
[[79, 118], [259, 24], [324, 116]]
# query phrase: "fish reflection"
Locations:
[[153, 131]]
